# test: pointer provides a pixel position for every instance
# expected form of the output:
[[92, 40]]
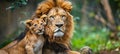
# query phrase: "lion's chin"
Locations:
[[58, 34]]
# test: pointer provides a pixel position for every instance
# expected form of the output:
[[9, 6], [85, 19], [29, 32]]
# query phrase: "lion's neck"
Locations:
[[64, 40], [55, 46]]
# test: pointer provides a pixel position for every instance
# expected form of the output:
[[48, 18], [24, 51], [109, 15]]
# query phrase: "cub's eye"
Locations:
[[51, 17], [63, 17], [35, 24]]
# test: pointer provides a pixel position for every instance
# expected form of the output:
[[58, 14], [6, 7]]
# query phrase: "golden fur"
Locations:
[[58, 12], [33, 39]]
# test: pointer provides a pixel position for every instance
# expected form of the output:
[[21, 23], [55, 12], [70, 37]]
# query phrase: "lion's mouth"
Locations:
[[58, 33]]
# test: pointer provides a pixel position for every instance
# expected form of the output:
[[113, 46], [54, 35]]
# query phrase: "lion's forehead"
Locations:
[[56, 11]]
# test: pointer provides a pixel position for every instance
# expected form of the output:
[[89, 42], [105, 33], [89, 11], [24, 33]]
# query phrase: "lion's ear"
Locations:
[[67, 6], [28, 23], [69, 15], [44, 17]]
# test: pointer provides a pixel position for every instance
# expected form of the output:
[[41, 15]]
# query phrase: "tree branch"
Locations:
[[108, 11]]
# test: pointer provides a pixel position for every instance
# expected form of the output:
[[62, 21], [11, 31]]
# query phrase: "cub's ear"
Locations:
[[44, 17], [28, 23]]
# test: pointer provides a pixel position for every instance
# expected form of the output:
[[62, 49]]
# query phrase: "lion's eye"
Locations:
[[63, 17], [41, 23], [51, 17]]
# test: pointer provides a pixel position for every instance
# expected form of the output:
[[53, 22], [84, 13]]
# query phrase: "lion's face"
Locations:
[[37, 25], [56, 22]]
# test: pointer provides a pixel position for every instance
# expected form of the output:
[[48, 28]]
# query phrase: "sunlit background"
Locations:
[[97, 23]]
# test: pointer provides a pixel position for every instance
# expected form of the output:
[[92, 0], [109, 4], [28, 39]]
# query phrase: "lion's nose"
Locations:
[[59, 25]]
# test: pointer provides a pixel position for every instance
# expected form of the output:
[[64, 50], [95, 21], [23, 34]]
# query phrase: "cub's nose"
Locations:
[[59, 25]]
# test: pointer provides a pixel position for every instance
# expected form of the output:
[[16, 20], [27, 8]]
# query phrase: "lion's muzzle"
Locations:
[[58, 32]]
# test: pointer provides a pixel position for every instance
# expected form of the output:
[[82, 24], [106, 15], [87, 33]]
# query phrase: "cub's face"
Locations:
[[56, 22], [37, 25]]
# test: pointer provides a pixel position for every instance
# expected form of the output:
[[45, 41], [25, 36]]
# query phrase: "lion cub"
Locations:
[[34, 46], [33, 40]]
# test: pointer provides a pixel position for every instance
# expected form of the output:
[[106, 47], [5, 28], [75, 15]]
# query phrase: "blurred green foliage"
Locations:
[[16, 4], [97, 38], [94, 34]]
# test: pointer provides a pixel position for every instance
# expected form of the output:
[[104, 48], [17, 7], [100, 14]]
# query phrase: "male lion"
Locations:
[[59, 28], [33, 40]]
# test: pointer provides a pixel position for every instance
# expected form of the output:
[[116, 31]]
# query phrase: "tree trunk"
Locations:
[[84, 19], [111, 23]]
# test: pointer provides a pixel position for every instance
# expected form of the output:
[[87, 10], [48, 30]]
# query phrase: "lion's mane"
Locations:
[[45, 6]]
